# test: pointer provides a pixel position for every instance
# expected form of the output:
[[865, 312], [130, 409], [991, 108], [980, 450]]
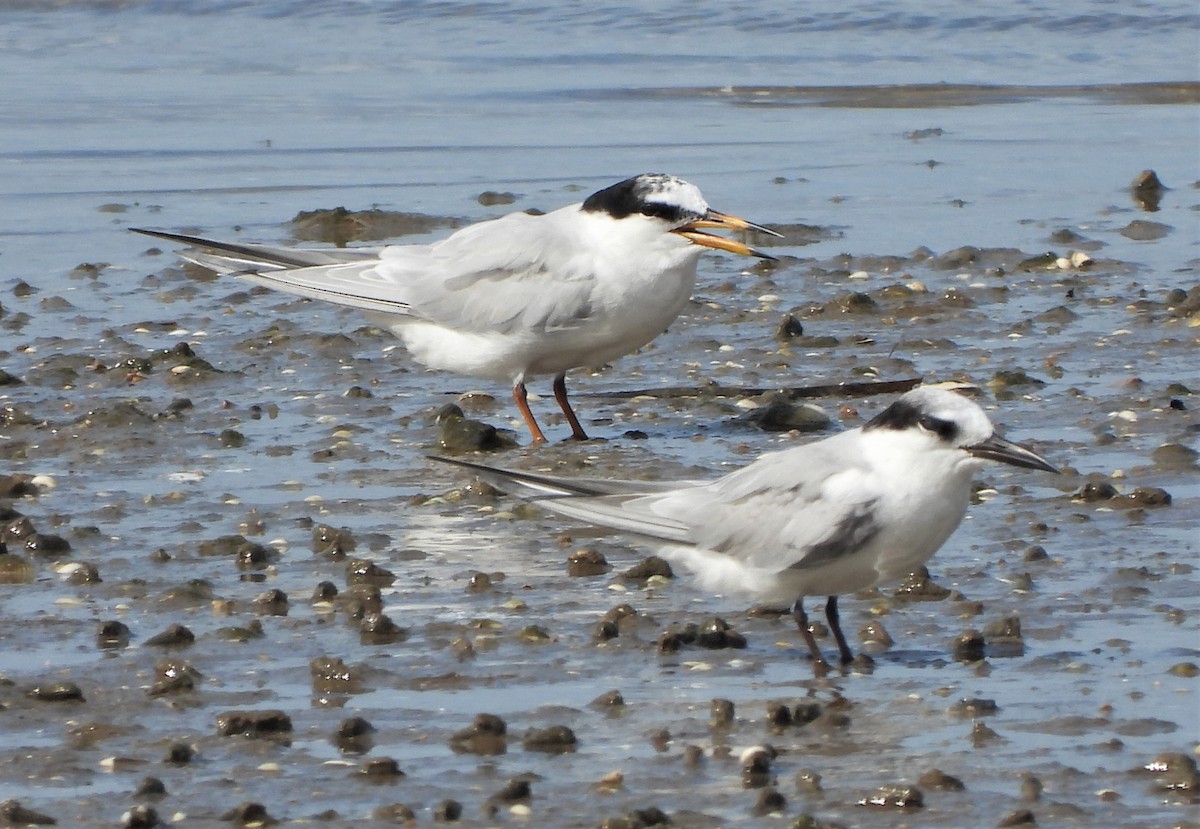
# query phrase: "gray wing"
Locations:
[[794, 509], [509, 274], [516, 273]]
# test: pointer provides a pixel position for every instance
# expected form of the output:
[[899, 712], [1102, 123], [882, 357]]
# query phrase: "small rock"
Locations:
[[981, 735], [1035, 553], [756, 766], [1147, 190], [515, 791], [448, 811], [249, 814], [1004, 639], [174, 636], [396, 813], [381, 769], [769, 802], [486, 736], [1142, 497], [179, 754], [379, 629], [1140, 230], [1094, 491], [974, 707], [556, 739], [253, 723], [458, 433], [789, 328], [56, 692], [13, 813], [806, 712], [1021, 817], [938, 779], [273, 602], [608, 700], [360, 571], [150, 787], [648, 567], [587, 562], [782, 415], [333, 542], [113, 634], [720, 713], [920, 587]]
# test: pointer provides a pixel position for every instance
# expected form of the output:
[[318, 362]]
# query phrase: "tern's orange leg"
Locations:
[[560, 394], [520, 396]]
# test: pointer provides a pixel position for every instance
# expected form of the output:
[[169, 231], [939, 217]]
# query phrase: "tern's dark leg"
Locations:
[[831, 615], [560, 394], [802, 622], [520, 396]]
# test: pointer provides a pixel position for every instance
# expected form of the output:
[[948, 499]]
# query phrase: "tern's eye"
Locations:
[[944, 429]]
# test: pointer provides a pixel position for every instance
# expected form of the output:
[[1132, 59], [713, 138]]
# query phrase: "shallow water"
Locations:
[[867, 124]]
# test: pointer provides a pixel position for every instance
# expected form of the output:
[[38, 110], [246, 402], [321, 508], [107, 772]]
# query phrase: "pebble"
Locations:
[[265, 723], [720, 713], [56, 692], [379, 629], [769, 802], [587, 562], [12, 813], [249, 814], [555, 739], [447, 811], [381, 769], [174, 636], [395, 813], [485, 736], [938, 779]]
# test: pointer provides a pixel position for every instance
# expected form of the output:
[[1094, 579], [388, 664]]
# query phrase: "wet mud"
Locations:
[[235, 591]]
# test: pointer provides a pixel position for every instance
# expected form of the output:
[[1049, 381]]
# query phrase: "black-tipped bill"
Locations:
[[716, 219], [998, 449]]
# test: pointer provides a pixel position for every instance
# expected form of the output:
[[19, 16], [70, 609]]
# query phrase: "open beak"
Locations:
[[997, 448], [716, 219]]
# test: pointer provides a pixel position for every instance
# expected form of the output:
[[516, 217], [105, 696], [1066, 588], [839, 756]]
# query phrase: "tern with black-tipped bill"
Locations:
[[518, 296], [865, 506]]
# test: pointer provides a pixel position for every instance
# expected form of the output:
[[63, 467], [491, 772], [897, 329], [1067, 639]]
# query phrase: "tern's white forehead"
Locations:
[[663, 189]]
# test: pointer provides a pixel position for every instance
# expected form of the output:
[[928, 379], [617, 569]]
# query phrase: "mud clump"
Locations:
[[555, 739], [486, 736], [587, 562], [267, 723], [458, 433], [339, 226]]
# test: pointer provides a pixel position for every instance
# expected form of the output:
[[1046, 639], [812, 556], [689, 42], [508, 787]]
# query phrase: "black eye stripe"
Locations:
[[903, 415], [944, 429]]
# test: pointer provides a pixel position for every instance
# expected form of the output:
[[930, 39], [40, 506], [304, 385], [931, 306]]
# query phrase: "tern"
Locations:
[[868, 505], [518, 296]]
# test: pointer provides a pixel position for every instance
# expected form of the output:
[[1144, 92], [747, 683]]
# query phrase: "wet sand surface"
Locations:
[[231, 568]]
